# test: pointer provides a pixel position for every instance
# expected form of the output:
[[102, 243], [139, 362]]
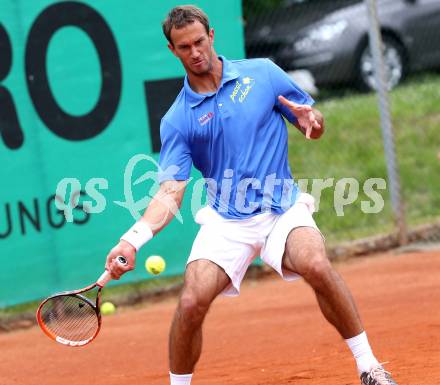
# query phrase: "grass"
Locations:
[[353, 147]]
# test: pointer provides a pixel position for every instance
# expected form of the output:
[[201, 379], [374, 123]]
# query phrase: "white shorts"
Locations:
[[234, 244]]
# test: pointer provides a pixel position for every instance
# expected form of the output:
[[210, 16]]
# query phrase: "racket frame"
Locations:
[[100, 283], [74, 293]]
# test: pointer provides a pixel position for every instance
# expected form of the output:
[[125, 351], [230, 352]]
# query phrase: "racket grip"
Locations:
[[106, 276], [104, 279]]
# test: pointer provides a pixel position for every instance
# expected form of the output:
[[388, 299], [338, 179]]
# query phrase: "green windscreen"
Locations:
[[83, 86]]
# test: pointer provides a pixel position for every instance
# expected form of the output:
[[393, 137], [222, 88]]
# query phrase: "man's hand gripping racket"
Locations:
[[73, 318]]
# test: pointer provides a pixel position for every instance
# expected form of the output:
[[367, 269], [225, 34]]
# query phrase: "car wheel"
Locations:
[[394, 59]]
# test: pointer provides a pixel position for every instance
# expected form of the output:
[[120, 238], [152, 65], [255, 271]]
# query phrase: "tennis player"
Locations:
[[228, 121]]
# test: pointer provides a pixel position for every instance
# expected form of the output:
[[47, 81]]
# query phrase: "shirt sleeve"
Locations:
[[175, 156], [282, 84]]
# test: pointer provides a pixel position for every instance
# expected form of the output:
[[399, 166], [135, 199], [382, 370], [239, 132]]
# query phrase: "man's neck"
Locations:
[[208, 82]]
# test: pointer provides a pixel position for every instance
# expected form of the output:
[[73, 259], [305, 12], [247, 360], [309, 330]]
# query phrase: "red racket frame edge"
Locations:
[[100, 283], [95, 307]]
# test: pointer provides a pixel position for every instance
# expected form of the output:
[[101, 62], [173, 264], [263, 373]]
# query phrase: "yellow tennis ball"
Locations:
[[107, 308], [155, 264]]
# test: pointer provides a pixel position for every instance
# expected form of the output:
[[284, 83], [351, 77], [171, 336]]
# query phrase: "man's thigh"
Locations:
[[227, 246], [303, 245], [204, 280]]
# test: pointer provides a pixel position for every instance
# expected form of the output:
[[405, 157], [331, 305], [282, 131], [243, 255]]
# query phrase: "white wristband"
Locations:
[[138, 235]]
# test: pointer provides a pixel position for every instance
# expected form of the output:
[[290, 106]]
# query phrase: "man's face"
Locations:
[[193, 46]]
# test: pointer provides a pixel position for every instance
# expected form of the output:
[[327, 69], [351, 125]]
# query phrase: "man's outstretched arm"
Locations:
[[161, 210]]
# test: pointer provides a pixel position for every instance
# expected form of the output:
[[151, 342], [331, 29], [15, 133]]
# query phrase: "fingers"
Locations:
[[284, 101], [295, 107], [117, 269], [311, 124], [304, 114], [311, 128], [312, 119], [114, 266]]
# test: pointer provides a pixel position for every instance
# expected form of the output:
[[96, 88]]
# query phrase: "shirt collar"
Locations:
[[230, 72]]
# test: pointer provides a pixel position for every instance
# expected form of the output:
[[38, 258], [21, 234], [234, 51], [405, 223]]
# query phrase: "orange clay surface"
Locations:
[[272, 334]]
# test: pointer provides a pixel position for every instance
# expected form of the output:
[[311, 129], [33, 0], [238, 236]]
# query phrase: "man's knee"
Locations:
[[192, 308], [315, 268]]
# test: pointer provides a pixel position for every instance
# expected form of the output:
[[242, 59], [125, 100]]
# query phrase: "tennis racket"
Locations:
[[73, 318]]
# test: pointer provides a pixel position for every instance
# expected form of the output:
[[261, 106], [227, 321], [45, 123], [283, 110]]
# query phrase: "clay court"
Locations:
[[272, 334]]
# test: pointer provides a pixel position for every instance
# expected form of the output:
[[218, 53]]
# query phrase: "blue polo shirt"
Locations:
[[236, 137]]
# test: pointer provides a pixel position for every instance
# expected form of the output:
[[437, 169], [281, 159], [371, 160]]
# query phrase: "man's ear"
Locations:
[[172, 49], [211, 35]]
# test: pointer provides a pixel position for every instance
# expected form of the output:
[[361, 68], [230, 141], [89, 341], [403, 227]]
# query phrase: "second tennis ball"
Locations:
[[155, 264], [108, 308]]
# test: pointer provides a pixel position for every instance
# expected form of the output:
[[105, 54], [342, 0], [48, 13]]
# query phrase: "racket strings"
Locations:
[[70, 317]]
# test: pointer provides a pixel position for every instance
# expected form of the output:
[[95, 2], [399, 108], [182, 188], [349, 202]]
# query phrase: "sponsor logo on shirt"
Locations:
[[242, 89], [206, 118]]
